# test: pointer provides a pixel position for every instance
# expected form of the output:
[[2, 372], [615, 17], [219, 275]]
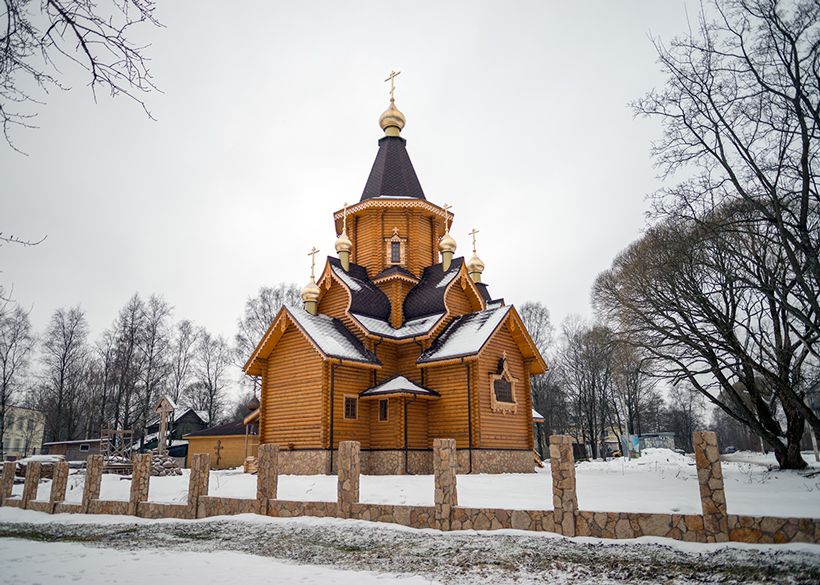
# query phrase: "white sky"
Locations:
[[516, 115]]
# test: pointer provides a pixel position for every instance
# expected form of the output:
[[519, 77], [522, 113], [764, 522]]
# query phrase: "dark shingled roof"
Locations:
[[233, 428], [427, 297], [390, 270], [366, 297], [392, 174]]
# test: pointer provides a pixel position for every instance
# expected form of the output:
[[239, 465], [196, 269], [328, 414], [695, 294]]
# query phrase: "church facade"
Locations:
[[399, 342]]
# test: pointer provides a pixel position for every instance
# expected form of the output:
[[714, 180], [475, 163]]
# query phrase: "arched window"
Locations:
[[502, 388]]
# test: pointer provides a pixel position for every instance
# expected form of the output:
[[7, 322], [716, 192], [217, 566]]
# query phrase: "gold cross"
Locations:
[[473, 233], [446, 207], [344, 219], [312, 254], [390, 78]]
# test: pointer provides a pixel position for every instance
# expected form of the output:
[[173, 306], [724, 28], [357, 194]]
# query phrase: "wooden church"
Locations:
[[399, 342]]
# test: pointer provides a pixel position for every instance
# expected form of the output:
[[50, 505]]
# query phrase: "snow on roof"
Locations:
[[332, 337], [349, 282], [42, 459], [466, 335], [398, 385], [537, 416], [181, 411], [411, 328], [78, 441]]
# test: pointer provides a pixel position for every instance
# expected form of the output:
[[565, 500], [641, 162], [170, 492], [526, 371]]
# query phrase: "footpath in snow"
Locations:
[[660, 481]]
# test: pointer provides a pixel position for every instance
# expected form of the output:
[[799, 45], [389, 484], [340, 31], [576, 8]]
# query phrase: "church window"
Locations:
[[351, 407], [502, 388], [395, 249], [383, 409]]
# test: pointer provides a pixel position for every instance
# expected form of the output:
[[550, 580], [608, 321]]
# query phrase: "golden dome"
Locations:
[[343, 243], [310, 292], [392, 120], [447, 243], [475, 264]]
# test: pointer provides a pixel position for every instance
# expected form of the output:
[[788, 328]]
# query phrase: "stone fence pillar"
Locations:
[[140, 481], [59, 480], [267, 475], [198, 482], [564, 496], [710, 480], [348, 470], [32, 481], [9, 468], [93, 477], [444, 469]]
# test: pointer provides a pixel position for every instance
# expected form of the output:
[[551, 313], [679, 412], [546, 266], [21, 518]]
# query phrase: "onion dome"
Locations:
[[392, 120], [310, 292], [343, 243], [475, 264], [447, 243], [253, 404]]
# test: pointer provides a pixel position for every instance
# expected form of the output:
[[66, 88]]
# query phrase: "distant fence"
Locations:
[[714, 524]]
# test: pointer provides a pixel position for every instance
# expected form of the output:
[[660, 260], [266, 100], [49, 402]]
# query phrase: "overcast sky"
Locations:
[[517, 115]]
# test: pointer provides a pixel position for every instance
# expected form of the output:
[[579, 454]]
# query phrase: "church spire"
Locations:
[[392, 174], [475, 266], [311, 292]]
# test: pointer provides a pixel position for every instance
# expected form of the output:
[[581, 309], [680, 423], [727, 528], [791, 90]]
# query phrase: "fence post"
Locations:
[[267, 475], [710, 481], [9, 469], [59, 480], [93, 477], [347, 486], [444, 470], [564, 496], [140, 481], [198, 482], [32, 481]]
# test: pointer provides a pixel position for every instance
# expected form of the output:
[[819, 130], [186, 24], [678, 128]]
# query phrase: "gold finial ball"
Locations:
[[310, 292], [343, 243], [475, 264], [392, 120], [447, 243]]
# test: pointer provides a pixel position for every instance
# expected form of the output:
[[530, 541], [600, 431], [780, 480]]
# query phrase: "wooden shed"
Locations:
[[226, 444]]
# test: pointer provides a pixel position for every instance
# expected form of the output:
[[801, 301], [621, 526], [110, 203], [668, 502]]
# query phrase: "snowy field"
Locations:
[[660, 481]]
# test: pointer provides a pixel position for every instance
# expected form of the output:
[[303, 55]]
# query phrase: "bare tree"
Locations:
[[213, 356], [684, 414], [684, 294], [741, 112], [257, 317], [37, 41], [127, 362], [547, 396], [154, 345], [16, 342], [183, 345], [65, 361]]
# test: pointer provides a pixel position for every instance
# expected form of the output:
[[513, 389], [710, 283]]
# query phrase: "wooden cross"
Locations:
[[446, 207], [312, 254], [218, 448], [390, 78], [163, 409], [344, 219], [473, 233]]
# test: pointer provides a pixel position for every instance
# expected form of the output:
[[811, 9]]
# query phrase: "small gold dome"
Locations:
[[447, 243], [310, 292], [392, 120], [475, 264], [343, 243]]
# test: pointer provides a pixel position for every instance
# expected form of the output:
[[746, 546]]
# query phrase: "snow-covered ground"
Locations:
[[24, 561], [660, 481]]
